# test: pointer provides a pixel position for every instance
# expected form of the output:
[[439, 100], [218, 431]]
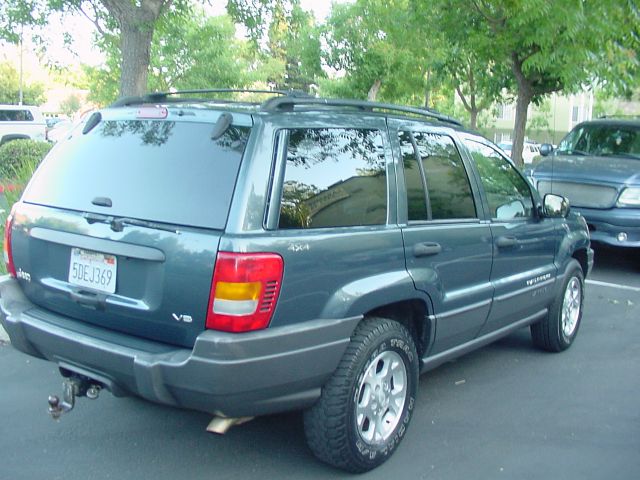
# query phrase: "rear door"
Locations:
[[524, 244], [120, 225], [447, 244]]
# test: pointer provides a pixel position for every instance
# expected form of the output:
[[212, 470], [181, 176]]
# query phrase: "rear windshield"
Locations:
[[163, 171]]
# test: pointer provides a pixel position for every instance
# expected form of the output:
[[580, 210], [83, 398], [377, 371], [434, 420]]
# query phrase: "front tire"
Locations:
[[557, 331], [365, 408]]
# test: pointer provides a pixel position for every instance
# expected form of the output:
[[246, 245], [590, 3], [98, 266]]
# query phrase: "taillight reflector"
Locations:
[[8, 256], [244, 291]]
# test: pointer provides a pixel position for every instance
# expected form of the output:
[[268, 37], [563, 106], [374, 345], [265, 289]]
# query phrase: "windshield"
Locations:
[[602, 140]]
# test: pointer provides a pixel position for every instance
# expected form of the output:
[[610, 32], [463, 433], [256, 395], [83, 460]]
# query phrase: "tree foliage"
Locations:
[[131, 22], [188, 52], [32, 92], [285, 39], [405, 51], [548, 46], [367, 41]]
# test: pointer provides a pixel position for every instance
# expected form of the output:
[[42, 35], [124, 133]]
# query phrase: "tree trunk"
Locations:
[[470, 106], [473, 119], [373, 91], [519, 129], [135, 45], [136, 21], [525, 95]]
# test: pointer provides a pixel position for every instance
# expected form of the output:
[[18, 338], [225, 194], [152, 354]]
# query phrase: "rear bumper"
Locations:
[[606, 225], [234, 375]]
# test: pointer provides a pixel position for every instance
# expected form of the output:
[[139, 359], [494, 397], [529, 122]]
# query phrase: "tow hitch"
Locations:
[[72, 387]]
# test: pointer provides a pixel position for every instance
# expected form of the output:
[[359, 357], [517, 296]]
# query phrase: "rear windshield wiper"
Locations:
[[117, 224]]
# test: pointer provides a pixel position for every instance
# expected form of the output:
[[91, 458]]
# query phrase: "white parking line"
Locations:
[[613, 285]]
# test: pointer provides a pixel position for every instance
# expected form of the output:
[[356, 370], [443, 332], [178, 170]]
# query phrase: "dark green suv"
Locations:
[[302, 253]]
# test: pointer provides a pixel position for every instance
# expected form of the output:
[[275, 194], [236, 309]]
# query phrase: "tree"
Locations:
[[33, 93], [134, 22], [70, 105], [367, 43], [187, 52], [285, 38], [16, 15], [546, 46], [549, 47], [456, 57]]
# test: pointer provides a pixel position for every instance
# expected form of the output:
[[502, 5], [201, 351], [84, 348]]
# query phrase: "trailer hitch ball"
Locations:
[[72, 387]]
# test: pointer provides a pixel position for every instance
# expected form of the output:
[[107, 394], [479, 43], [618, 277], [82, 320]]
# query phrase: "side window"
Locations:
[[416, 196], [334, 178], [16, 116], [448, 192], [507, 192]]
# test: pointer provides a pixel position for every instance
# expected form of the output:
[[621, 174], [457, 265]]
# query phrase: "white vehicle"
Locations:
[[21, 121], [529, 150]]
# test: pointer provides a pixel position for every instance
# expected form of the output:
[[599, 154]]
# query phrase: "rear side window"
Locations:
[[16, 116], [334, 178], [171, 172], [437, 183]]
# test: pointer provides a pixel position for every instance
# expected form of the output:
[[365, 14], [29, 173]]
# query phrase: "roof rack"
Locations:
[[288, 103], [631, 116], [154, 97]]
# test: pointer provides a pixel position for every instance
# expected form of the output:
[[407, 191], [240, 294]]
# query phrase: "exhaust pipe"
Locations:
[[221, 425]]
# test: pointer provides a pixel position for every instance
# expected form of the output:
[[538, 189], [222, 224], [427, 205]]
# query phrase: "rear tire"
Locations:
[[365, 408], [557, 331]]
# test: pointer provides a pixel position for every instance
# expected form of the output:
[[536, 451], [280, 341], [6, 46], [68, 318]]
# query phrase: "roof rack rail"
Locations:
[[623, 116], [290, 102], [165, 96]]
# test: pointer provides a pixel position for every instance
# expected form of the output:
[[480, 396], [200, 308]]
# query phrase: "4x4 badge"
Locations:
[[182, 318]]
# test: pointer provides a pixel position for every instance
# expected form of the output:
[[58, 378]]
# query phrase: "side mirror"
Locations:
[[546, 149], [555, 206]]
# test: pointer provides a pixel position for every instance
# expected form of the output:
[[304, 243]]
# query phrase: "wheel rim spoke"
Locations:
[[381, 397], [571, 307]]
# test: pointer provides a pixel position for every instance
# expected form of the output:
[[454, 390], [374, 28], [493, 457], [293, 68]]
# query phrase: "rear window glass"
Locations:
[[164, 171], [16, 116]]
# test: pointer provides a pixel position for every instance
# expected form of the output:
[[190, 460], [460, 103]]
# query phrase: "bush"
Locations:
[[18, 154], [18, 161]]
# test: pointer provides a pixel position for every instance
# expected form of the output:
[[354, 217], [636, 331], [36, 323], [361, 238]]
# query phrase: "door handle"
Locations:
[[506, 241], [425, 249]]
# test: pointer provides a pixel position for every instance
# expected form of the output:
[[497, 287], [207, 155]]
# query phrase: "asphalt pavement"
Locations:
[[507, 411]]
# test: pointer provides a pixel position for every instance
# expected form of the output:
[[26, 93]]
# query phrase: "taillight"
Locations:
[[8, 256], [244, 291]]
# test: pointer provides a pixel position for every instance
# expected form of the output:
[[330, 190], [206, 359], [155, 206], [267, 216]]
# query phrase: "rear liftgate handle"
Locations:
[[89, 299], [426, 249]]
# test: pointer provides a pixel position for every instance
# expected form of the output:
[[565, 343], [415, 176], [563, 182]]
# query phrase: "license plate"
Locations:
[[93, 270]]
